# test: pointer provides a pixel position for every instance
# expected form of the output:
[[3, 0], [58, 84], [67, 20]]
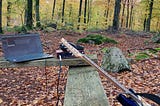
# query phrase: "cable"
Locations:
[[60, 70], [45, 64]]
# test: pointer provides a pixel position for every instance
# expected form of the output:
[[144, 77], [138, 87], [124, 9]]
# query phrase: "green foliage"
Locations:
[[96, 39], [20, 29], [104, 49], [158, 49], [141, 56]]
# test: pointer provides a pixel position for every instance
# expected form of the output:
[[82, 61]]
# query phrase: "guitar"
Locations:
[[136, 98]]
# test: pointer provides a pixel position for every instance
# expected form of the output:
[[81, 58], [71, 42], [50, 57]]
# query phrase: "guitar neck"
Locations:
[[101, 70]]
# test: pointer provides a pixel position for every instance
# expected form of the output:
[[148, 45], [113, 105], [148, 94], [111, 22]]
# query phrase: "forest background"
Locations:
[[85, 14]]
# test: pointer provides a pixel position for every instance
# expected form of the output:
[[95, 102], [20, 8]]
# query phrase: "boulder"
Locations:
[[114, 60]]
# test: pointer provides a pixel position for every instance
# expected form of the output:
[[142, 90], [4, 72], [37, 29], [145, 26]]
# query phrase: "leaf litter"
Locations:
[[34, 86]]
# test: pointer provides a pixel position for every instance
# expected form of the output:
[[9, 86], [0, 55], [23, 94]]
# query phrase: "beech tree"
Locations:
[[85, 11], [1, 16], [123, 10], [9, 4], [63, 10], [148, 21], [53, 9], [80, 12], [29, 21], [117, 8], [127, 17], [38, 24]]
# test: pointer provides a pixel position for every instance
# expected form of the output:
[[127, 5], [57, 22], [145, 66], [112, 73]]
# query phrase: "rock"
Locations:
[[115, 61]]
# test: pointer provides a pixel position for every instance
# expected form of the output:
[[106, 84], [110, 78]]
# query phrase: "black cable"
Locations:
[[45, 64], [60, 70]]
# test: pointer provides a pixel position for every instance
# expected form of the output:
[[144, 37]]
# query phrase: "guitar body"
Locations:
[[126, 101]]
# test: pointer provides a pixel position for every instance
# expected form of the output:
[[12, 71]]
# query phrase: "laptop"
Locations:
[[21, 48]]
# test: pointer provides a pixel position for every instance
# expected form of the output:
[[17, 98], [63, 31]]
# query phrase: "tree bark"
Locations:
[[148, 21], [54, 5], [9, 4], [80, 12], [107, 12], [1, 16], [89, 11], [127, 18], [123, 10], [117, 8], [115, 61], [29, 22], [85, 11], [38, 24], [63, 8], [131, 17]]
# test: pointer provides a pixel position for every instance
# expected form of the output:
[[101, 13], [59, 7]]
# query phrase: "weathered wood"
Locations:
[[46, 62], [115, 61], [84, 88]]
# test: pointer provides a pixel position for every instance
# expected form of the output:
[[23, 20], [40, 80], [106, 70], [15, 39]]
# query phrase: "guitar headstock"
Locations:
[[71, 48]]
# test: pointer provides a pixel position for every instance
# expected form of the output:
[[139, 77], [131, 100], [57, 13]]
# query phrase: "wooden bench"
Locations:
[[83, 87]]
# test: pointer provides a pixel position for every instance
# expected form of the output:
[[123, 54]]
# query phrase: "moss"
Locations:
[[158, 49], [156, 38], [96, 39], [141, 56]]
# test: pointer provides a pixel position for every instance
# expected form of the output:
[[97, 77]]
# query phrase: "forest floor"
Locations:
[[36, 86]]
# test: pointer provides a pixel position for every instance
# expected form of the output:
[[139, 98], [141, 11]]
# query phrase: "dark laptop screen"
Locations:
[[18, 45]]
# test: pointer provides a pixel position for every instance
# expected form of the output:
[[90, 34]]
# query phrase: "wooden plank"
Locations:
[[46, 62], [84, 88]]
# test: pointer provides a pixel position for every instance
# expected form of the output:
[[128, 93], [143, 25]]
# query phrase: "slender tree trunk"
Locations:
[[29, 22], [144, 24], [123, 9], [63, 8], [148, 21], [131, 12], [9, 4], [38, 24], [107, 12], [80, 12], [85, 11], [54, 5], [158, 25], [127, 18], [89, 11], [1, 16], [117, 8]]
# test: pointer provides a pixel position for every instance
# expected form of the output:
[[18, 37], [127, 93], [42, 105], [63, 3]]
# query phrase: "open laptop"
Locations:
[[21, 48]]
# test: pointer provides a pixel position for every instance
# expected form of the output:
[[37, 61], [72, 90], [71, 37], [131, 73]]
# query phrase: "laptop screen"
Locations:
[[19, 45]]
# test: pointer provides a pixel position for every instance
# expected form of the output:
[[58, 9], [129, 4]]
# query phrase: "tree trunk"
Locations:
[[29, 22], [127, 18], [117, 8], [63, 8], [85, 11], [107, 12], [131, 18], [89, 11], [148, 21], [38, 24], [9, 4], [54, 5], [1, 16], [123, 10], [80, 12], [115, 61]]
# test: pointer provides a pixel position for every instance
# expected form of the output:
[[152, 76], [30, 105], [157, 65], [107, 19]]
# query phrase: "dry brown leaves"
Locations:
[[36, 86]]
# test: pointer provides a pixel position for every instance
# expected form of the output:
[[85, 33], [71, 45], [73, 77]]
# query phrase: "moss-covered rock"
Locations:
[[115, 61], [96, 39], [156, 38]]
